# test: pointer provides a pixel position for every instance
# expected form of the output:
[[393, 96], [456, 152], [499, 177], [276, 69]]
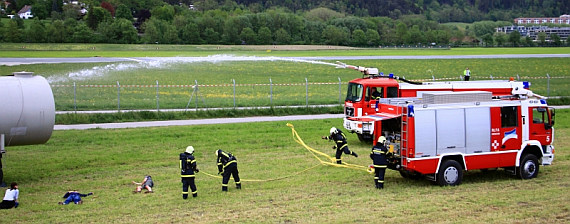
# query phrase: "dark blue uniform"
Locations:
[[227, 165], [341, 145], [188, 169], [378, 156]]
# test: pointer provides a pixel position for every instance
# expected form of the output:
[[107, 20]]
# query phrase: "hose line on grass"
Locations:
[[314, 152], [267, 180]]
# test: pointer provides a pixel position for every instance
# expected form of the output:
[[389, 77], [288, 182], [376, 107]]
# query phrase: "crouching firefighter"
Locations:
[[188, 170], [227, 165], [341, 145], [378, 156]]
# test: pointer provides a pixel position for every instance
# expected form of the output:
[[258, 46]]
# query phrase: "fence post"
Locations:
[[234, 81], [518, 78], [306, 92], [491, 76], [74, 97], [547, 85], [433, 78], [339, 91], [196, 91], [118, 97], [270, 92], [157, 104]]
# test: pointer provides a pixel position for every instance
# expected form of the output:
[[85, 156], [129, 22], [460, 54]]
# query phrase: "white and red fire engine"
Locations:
[[441, 135], [360, 107]]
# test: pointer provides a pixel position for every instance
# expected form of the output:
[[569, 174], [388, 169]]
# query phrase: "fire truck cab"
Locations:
[[443, 134]]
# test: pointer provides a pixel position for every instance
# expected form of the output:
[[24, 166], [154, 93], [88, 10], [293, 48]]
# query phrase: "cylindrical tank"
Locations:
[[27, 109]]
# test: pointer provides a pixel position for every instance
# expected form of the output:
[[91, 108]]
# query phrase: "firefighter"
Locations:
[[375, 94], [188, 170], [227, 165], [378, 156], [341, 144]]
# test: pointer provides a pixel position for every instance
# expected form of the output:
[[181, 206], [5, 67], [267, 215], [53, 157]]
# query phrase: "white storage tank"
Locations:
[[27, 109]]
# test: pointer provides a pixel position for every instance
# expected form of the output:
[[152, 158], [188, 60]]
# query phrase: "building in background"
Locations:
[[563, 19], [25, 12], [533, 31]]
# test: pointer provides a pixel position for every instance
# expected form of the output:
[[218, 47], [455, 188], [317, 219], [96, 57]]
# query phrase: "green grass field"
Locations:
[[106, 161], [247, 73]]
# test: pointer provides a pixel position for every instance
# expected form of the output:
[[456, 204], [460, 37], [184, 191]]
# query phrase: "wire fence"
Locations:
[[157, 96]]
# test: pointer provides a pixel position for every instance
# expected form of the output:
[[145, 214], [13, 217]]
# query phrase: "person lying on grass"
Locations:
[[74, 196], [147, 184]]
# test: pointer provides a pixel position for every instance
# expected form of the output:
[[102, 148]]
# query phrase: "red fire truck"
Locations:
[[360, 107], [441, 135]]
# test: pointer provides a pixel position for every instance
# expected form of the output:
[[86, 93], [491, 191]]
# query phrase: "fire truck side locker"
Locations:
[[451, 132]]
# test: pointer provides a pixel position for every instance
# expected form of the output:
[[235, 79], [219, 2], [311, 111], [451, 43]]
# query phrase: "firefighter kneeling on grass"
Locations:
[[227, 165], [188, 169], [341, 145], [378, 156]]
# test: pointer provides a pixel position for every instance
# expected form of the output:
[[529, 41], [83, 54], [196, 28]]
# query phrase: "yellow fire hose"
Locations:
[[332, 162], [313, 152]]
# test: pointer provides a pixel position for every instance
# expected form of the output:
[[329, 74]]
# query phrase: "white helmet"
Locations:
[[382, 139], [218, 152], [189, 149], [333, 130]]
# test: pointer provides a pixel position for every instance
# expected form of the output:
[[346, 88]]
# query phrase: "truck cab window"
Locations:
[[354, 92], [539, 115], [392, 92], [509, 117], [373, 93]]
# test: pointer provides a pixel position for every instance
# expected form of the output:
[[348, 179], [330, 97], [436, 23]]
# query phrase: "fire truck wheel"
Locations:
[[450, 173], [528, 168]]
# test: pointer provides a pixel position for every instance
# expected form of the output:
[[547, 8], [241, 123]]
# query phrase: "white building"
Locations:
[[26, 12]]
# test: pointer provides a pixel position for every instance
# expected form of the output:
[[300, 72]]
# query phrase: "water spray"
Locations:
[[161, 62], [373, 73]]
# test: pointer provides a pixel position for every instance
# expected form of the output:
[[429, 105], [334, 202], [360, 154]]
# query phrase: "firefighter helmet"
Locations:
[[218, 152], [333, 130], [189, 149], [382, 139]]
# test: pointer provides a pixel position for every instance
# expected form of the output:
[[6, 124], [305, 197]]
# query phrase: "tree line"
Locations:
[[227, 22]]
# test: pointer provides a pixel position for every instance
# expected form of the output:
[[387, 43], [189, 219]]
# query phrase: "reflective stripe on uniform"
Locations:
[[378, 152], [380, 181], [225, 154], [224, 185], [380, 166], [376, 178], [185, 192], [188, 175], [238, 182], [345, 145], [230, 162]]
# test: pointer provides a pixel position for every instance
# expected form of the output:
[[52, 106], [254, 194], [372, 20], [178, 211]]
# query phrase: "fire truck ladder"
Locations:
[[404, 133]]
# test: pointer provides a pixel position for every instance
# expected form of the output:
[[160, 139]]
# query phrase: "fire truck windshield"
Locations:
[[354, 92]]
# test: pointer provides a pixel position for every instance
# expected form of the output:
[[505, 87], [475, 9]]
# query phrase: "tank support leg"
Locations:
[[2, 151]]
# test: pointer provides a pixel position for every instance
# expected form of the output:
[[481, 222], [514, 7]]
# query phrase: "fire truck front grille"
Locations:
[[349, 111]]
